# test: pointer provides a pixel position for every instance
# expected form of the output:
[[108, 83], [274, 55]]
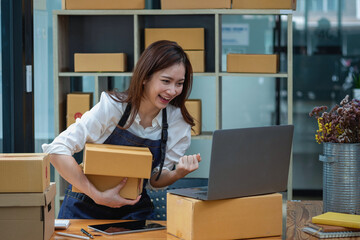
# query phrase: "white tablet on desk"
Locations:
[[126, 227]]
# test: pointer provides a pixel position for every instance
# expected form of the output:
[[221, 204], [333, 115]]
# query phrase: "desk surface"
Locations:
[[77, 224], [298, 214]]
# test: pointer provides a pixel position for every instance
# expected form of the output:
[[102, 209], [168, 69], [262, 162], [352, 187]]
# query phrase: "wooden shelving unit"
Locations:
[[126, 28]]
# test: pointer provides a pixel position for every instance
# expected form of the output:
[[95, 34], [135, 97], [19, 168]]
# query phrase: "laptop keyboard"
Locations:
[[201, 193], [201, 189]]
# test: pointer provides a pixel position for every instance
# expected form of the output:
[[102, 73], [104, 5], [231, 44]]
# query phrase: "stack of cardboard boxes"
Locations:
[[106, 165], [26, 197], [192, 40]]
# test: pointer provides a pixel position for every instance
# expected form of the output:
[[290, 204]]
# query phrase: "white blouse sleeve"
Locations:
[[91, 127]]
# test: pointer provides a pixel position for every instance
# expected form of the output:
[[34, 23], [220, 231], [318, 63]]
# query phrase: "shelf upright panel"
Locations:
[[101, 85], [136, 39], [218, 83], [56, 104], [61, 86], [290, 96]]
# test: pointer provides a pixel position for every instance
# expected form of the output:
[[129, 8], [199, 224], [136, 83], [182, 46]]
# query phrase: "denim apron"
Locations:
[[80, 206]]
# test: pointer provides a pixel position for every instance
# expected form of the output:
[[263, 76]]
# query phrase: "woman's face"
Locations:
[[164, 86]]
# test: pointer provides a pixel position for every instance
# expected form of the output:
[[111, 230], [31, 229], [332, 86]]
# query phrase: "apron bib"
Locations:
[[80, 206]]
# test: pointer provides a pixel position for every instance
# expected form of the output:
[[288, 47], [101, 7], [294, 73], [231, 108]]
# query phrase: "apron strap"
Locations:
[[164, 137], [125, 116]]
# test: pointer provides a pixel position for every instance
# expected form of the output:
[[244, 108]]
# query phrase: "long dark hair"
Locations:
[[159, 55]]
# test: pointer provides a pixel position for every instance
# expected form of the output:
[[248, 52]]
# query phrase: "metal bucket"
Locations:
[[341, 177]]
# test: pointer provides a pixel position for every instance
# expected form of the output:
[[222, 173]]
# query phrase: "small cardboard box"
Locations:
[[102, 4], [237, 218], [100, 62], [195, 4], [252, 63], [77, 104], [187, 38], [264, 4], [24, 172], [27, 215], [131, 190], [197, 60], [117, 161], [194, 108]]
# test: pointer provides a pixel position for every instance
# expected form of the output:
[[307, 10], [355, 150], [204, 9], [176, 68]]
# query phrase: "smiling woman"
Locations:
[[151, 113]]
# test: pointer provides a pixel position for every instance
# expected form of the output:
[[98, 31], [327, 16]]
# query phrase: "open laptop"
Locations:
[[246, 162]]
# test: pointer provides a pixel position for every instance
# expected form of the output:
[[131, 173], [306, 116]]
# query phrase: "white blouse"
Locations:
[[96, 125]]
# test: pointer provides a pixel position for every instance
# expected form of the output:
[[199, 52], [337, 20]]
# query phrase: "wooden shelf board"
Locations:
[[98, 74], [280, 75], [176, 12], [118, 74], [203, 135]]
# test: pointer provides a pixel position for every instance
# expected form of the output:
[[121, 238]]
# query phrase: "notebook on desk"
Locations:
[[246, 162]]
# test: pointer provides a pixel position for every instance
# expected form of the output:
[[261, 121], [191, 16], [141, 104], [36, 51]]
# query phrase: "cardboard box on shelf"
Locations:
[[252, 63], [264, 4], [197, 60], [194, 108], [102, 4], [77, 104], [187, 38], [131, 190], [27, 215], [195, 4], [117, 161], [24, 172], [236, 218], [100, 62]]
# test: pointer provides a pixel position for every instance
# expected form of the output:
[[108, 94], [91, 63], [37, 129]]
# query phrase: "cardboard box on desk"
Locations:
[[24, 172], [131, 190], [237, 218], [27, 215], [195, 4], [252, 63], [77, 104], [187, 38], [197, 60], [264, 4], [100, 62], [118, 161], [194, 108], [102, 4]]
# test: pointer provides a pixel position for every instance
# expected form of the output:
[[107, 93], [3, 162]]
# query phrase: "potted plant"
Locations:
[[339, 132]]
